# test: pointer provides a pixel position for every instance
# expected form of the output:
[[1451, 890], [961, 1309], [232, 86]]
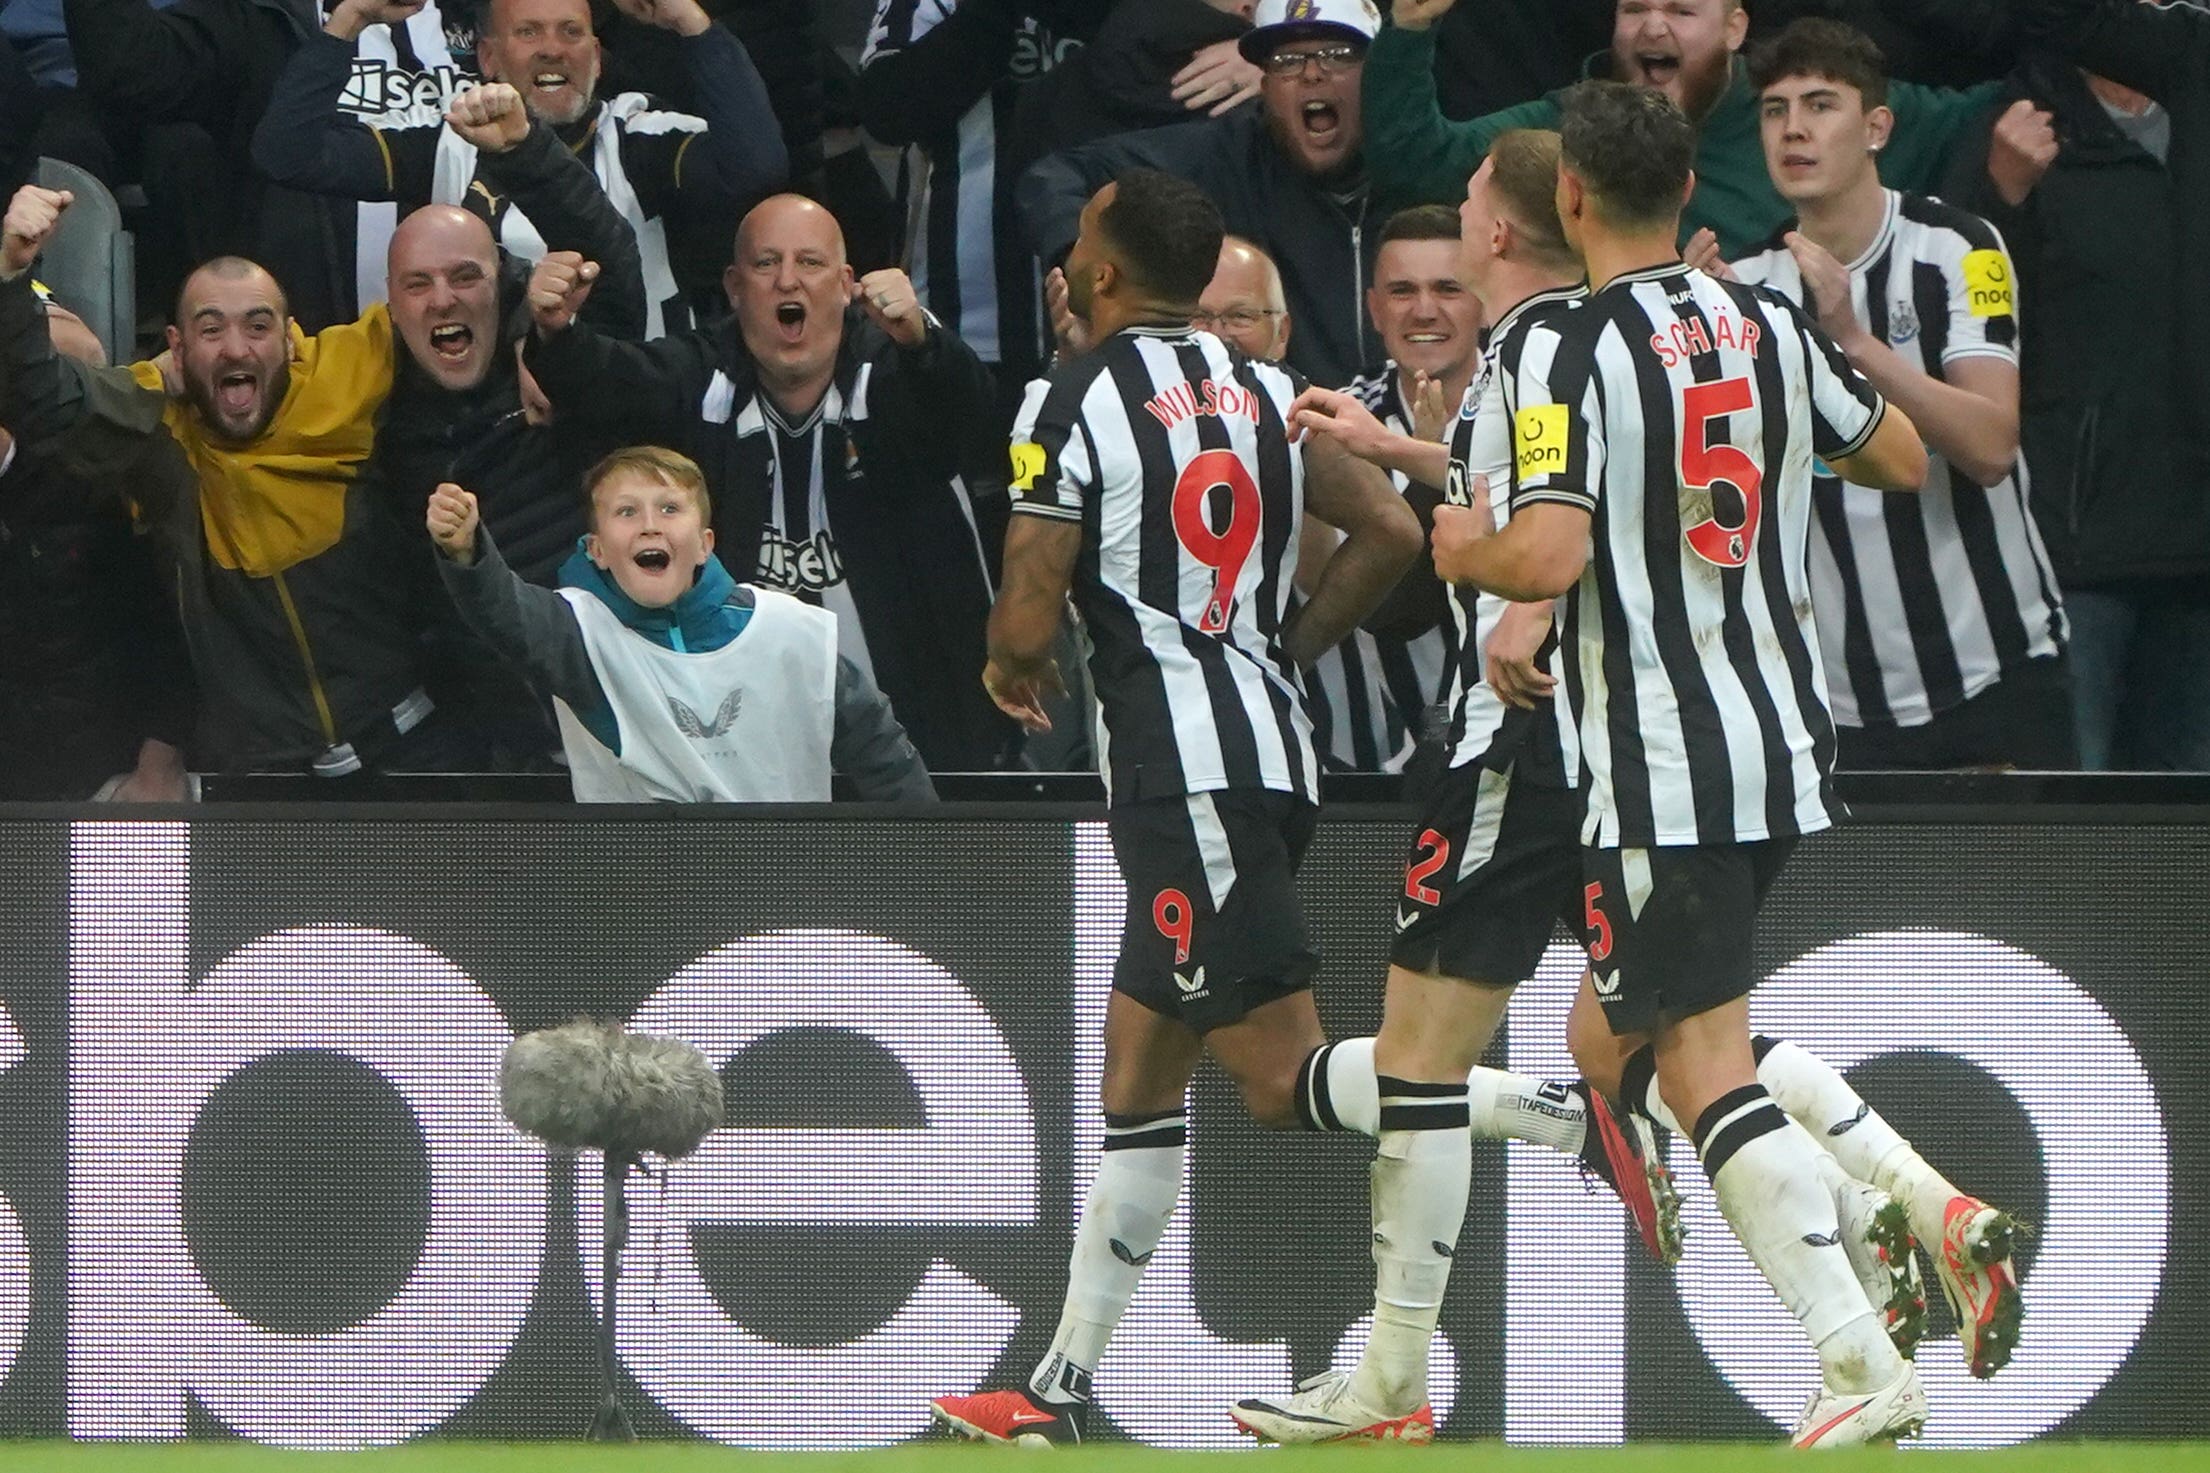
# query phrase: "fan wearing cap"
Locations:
[[1313, 53], [1289, 175]]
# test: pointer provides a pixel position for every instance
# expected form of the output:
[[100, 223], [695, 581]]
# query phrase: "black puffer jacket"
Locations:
[[1324, 246], [2112, 250], [1122, 80], [213, 63], [91, 659], [526, 477]]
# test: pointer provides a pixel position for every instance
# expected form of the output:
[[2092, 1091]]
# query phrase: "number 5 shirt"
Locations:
[[1684, 414], [1173, 455], [1926, 599]]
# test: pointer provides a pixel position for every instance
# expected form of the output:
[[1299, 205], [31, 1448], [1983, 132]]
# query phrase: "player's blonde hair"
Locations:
[[654, 463], [1523, 171]]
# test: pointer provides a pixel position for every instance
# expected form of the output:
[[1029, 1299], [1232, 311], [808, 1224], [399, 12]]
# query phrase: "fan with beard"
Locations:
[[1686, 52]]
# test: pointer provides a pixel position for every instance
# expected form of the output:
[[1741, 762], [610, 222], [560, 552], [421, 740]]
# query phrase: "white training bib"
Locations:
[[750, 722]]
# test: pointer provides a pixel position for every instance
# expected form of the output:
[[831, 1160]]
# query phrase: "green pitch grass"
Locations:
[[2047, 1457]]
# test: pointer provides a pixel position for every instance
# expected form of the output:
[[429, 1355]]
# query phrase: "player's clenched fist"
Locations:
[[32, 216], [888, 298], [453, 520], [2021, 149], [558, 286], [491, 117], [1457, 529]]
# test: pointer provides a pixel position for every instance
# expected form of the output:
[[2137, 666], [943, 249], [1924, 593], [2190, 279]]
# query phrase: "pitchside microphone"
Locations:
[[593, 1086]]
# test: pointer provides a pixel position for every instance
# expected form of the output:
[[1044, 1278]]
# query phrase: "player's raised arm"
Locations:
[[1381, 537]]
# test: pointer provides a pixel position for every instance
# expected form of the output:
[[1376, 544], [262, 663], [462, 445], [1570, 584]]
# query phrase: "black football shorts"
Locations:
[[1670, 928], [1214, 928], [1495, 866]]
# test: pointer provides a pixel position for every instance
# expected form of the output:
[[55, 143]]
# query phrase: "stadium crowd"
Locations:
[[394, 249]]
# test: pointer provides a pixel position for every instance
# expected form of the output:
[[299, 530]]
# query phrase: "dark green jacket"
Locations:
[[1415, 155]]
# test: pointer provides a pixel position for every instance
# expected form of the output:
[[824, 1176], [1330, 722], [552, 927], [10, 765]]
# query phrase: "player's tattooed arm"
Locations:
[[1381, 538], [1039, 569]]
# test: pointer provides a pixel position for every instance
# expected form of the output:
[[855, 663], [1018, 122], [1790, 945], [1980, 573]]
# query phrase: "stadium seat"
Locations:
[[92, 263]]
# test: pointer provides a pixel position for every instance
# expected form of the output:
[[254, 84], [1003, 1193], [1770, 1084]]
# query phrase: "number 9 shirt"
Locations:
[[1172, 453]]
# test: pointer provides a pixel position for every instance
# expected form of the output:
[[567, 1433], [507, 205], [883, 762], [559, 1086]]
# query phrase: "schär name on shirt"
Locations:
[[1686, 339]]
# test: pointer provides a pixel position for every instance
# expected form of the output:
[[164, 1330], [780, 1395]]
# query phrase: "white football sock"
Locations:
[[1335, 1088], [1505, 1106], [1817, 1095], [1422, 1173], [1654, 1106], [1840, 1123], [1138, 1182], [1764, 1171]]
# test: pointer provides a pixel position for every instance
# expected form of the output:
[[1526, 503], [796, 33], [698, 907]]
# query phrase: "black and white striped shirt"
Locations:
[[628, 124], [1925, 600], [1172, 453], [1482, 728], [1684, 414], [1370, 694], [965, 258], [404, 75]]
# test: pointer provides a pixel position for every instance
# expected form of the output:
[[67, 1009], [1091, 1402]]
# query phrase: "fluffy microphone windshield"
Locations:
[[592, 1084]]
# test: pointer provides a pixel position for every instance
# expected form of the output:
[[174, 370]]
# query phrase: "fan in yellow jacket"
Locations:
[[275, 423], [241, 460]]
